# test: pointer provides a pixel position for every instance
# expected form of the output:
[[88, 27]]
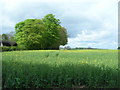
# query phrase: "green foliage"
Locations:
[[40, 34], [69, 68], [51, 35], [29, 33]]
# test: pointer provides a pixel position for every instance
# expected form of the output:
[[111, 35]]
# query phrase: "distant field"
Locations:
[[60, 68]]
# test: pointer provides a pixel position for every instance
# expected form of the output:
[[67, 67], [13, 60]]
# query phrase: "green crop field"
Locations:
[[60, 68]]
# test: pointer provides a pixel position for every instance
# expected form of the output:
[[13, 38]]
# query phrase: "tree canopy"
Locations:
[[45, 33]]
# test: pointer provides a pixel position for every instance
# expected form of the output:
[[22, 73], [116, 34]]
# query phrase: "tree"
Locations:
[[63, 36], [8, 37], [67, 47], [51, 35], [0, 37], [11, 37], [40, 34], [29, 33], [5, 37], [56, 35]]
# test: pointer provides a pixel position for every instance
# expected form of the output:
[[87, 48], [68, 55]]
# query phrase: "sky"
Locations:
[[89, 23]]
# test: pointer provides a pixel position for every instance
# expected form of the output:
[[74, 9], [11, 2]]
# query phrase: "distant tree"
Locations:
[[0, 37], [89, 48], [41, 34], [11, 37], [8, 37], [5, 37], [67, 47]]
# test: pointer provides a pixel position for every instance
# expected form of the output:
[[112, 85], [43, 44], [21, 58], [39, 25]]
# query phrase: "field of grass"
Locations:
[[60, 68]]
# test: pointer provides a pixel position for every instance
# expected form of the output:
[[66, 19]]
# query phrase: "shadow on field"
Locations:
[[33, 75]]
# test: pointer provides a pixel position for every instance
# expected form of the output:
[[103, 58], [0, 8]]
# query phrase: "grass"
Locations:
[[63, 68]]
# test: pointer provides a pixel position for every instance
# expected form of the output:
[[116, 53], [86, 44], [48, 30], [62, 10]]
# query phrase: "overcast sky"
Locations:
[[89, 23]]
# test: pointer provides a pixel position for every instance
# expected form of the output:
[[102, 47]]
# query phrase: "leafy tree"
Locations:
[[51, 35], [29, 33], [40, 34], [56, 34]]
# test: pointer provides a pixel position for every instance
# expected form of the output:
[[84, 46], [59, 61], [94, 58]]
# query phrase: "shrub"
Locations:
[[5, 48], [12, 48]]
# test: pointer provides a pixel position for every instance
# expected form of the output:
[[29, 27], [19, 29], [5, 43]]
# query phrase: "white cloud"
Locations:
[[96, 39]]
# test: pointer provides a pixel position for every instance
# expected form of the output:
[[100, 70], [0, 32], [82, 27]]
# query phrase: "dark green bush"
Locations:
[[12, 48], [5, 48]]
